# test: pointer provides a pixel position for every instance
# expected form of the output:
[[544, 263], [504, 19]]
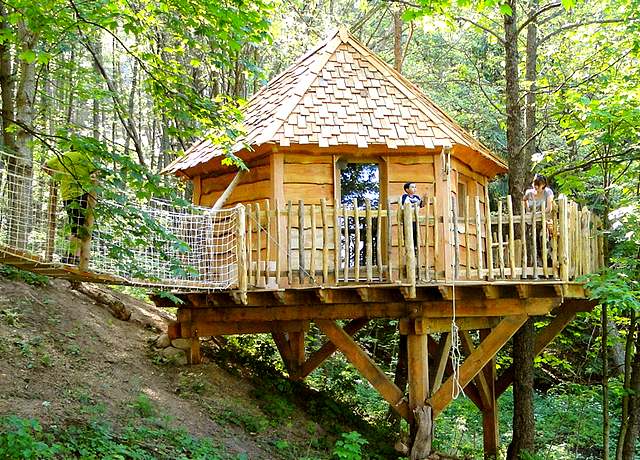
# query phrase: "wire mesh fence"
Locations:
[[149, 243]]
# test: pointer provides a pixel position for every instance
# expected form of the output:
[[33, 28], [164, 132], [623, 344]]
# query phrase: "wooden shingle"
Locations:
[[340, 93]]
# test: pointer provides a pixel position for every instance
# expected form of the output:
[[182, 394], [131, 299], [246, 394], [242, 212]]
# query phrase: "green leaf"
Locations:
[[568, 4], [506, 10], [29, 56]]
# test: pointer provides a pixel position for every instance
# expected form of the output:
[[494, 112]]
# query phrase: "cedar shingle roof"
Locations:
[[341, 93]]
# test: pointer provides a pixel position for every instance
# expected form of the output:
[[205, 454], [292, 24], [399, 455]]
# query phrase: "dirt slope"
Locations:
[[63, 358]]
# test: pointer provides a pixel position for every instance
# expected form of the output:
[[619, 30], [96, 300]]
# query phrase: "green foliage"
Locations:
[[144, 407], [12, 273], [349, 446], [27, 439]]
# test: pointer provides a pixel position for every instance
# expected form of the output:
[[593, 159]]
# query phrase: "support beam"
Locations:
[[228, 191], [418, 380], [433, 309], [480, 379], [441, 360], [478, 359], [291, 348], [566, 314], [365, 365], [490, 425], [326, 350]]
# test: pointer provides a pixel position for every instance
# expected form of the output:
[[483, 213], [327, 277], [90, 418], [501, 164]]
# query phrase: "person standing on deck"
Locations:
[[74, 172], [410, 195], [533, 198]]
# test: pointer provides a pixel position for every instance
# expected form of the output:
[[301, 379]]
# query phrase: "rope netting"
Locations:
[[147, 243]]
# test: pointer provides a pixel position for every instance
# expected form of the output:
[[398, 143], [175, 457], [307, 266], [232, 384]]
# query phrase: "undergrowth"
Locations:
[[143, 439], [13, 273]]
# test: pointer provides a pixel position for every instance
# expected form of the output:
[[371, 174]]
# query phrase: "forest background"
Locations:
[[551, 86]]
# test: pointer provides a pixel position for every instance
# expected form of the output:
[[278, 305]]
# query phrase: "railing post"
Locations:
[[51, 216], [85, 238], [242, 249], [409, 248], [563, 250]]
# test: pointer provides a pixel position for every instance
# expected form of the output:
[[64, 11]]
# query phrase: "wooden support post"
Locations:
[[488, 235], [365, 365], [409, 245], [389, 228], [467, 230], [356, 244], [336, 241], [563, 243], [534, 241], [478, 238], [268, 241], [345, 216], [301, 242], [544, 233], [258, 247], [441, 361], [490, 425], [418, 241], [369, 239], [500, 241], [418, 384], [437, 263], [279, 239], [194, 349], [249, 222], [85, 233], [523, 240], [242, 251], [512, 238], [427, 249], [290, 242], [312, 260], [325, 240], [379, 242]]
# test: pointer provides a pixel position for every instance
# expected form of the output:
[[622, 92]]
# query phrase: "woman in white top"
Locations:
[[539, 193]]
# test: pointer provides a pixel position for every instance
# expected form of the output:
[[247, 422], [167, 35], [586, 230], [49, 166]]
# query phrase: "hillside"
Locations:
[[68, 363]]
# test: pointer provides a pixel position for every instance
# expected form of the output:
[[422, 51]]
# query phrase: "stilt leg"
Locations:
[[421, 424], [491, 433]]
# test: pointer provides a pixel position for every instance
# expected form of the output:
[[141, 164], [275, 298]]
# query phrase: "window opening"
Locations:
[[359, 181]]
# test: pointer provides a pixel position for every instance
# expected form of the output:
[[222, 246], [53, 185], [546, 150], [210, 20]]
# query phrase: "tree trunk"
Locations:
[[22, 164], [605, 384], [631, 436], [624, 419], [7, 86], [397, 39], [519, 170]]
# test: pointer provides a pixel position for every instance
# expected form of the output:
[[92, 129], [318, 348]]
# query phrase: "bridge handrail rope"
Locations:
[[194, 248]]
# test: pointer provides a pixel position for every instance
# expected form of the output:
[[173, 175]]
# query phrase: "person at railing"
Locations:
[[410, 195], [540, 193], [74, 171]]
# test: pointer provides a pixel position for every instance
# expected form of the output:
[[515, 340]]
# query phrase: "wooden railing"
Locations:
[[329, 244]]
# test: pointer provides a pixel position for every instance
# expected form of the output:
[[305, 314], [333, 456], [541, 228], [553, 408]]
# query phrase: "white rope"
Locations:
[[456, 355]]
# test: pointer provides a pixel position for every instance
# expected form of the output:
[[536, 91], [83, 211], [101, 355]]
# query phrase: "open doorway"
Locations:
[[359, 181]]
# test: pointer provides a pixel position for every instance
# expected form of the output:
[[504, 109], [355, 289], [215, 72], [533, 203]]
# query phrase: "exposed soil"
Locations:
[[64, 358]]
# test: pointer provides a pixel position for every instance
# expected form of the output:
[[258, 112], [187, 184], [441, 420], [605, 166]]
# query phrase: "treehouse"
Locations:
[[455, 273], [288, 250]]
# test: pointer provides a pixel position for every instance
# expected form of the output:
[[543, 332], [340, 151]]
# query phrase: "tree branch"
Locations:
[[537, 14], [575, 25]]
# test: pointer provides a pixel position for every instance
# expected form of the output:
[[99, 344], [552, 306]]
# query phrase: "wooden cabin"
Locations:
[[301, 255]]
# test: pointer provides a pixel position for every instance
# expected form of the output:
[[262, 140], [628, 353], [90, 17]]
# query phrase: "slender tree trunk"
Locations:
[[624, 419], [22, 164], [397, 39], [631, 435], [605, 383], [7, 86]]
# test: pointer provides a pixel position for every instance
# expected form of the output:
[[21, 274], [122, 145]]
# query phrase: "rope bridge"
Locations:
[[188, 247]]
